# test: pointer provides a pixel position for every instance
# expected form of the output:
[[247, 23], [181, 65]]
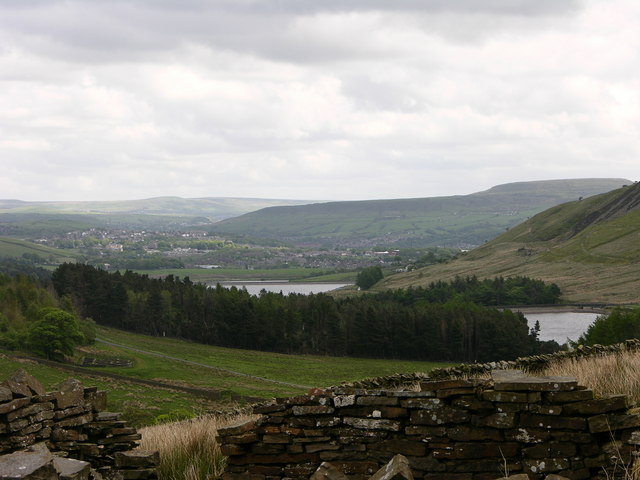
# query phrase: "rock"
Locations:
[[396, 469], [137, 459], [326, 471], [22, 384], [5, 394], [70, 393], [516, 380], [70, 469], [35, 463]]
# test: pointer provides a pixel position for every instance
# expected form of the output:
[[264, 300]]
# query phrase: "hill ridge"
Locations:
[[589, 247]]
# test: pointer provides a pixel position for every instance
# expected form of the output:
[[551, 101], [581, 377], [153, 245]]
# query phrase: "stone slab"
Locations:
[[516, 380]]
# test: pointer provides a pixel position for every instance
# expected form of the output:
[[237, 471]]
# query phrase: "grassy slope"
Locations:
[[142, 403], [314, 371], [469, 219], [600, 263], [10, 247]]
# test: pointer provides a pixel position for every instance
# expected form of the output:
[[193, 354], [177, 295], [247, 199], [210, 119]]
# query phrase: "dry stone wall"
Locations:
[[473, 429], [69, 422]]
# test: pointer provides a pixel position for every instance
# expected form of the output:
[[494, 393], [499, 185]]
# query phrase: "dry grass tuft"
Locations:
[[188, 449], [611, 374]]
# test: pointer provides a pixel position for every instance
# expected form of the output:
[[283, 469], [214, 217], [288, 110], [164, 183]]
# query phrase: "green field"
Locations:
[[214, 275], [11, 247], [139, 404], [143, 403]]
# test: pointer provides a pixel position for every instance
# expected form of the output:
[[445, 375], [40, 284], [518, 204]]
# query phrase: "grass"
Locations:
[[139, 404], [309, 370], [188, 449], [605, 375]]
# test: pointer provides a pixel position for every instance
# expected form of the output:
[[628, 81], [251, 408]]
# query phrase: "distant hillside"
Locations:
[[33, 218], [13, 248], [213, 208], [590, 248], [463, 220]]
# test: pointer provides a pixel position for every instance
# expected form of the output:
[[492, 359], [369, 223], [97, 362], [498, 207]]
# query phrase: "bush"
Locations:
[[368, 277]]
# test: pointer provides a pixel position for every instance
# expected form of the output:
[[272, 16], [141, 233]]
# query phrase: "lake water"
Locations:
[[286, 288], [560, 326]]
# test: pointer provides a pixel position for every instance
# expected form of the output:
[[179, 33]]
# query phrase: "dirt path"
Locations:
[[233, 372]]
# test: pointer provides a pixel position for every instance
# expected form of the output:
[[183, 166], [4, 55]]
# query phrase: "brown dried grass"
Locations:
[[606, 375], [188, 449]]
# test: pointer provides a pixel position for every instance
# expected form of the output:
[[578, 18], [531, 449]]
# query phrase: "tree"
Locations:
[[368, 277], [55, 333]]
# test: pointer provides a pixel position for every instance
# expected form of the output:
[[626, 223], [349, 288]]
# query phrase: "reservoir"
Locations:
[[561, 325], [286, 288]]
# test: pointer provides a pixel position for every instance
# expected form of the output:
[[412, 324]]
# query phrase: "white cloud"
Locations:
[[304, 99]]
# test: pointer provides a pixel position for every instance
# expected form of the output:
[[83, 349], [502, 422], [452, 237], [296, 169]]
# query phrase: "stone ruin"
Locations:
[[66, 434], [471, 429]]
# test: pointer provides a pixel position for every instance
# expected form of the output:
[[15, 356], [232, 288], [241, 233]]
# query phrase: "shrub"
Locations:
[[188, 449]]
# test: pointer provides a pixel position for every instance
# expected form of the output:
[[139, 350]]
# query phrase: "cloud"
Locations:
[[302, 99]]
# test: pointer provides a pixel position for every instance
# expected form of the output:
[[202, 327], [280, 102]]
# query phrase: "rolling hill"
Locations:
[[161, 213], [589, 247], [462, 221], [14, 248]]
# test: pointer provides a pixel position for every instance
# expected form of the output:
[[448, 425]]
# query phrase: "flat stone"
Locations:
[[518, 476], [516, 380], [327, 471], [496, 420], [547, 465], [107, 416], [14, 405], [238, 428], [553, 422], [568, 397], [376, 400], [600, 405], [5, 394], [138, 474], [312, 410], [372, 424], [441, 416], [23, 377], [396, 469], [70, 393], [137, 459], [449, 384], [606, 423], [35, 463], [70, 469]]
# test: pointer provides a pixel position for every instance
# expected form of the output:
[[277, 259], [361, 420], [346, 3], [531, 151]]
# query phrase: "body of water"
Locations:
[[286, 288], [563, 325]]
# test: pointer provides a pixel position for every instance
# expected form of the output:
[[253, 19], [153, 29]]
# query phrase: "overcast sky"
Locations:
[[313, 99]]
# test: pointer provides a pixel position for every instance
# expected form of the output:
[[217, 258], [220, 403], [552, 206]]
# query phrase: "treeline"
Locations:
[[621, 324], [489, 292], [34, 319], [371, 326]]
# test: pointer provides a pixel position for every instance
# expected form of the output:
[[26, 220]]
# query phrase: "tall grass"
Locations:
[[188, 449], [617, 373]]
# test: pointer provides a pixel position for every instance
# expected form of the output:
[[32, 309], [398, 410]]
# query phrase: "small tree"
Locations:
[[55, 333], [368, 277]]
